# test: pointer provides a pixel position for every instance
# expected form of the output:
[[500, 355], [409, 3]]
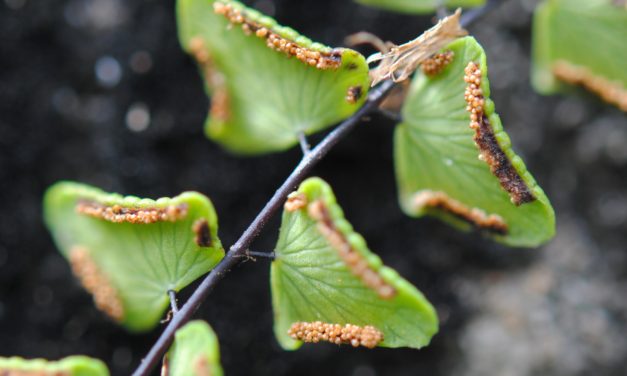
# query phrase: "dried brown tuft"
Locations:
[[94, 281], [612, 92], [351, 257], [314, 332], [119, 214], [401, 61], [317, 59], [295, 201], [203, 233], [476, 217], [490, 150], [435, 64]]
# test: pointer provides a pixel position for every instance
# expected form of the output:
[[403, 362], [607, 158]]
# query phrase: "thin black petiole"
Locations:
[[304, 145], [233, 256], [269, 255], [473, 15], [173, 305]]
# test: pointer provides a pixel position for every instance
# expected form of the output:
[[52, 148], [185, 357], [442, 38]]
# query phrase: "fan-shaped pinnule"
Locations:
[[267, 83], [195, 352], [454, 160], [328, 286], [76, 365], [581, 42], [129, 252]]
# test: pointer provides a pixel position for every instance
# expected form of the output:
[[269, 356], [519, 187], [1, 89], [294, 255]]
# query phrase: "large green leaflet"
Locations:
[[271, 97], [586, 33], [71, 366], [310, 282], [140, 261], [419, 6], [435, 152], [195, 352]]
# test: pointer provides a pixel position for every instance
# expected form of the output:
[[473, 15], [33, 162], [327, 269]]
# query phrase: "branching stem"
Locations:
[[304, 145], [268, 255], [233, 256], [173, 305], [240, 248]]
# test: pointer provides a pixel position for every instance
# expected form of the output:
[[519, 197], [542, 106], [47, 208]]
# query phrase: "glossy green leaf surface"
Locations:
[[311, 282], [133, 264], [70, 366], [435, 152], [586, 33], [271, 97], [195, 352], [419, 6]]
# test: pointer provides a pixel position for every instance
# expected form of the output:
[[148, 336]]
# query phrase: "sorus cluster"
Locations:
[[87, 272], [435, 64], [11, 371], [352, 258], [489, 148], [353, 94], [295, 201], [314, 332], [320, 60], [119, 214], [475, 216], [611, 92], [473, 94], [220, 97]]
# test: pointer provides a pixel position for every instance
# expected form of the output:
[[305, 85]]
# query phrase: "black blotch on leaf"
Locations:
[[203, 235]]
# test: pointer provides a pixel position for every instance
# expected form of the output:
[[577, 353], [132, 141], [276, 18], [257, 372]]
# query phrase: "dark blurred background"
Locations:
[[99, 91]]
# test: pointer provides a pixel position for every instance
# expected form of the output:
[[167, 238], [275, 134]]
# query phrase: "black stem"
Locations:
[[472, 15], [268, 255], [233, 256]]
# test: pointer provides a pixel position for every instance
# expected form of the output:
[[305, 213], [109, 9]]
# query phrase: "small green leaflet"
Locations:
[[195, 352], [324, 275], [581, 42], [128, 252], [71, 366], [419, 6], [437, 165], [261, 97]]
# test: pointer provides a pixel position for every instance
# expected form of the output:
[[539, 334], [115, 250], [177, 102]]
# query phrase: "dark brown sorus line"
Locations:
[[235, 254]]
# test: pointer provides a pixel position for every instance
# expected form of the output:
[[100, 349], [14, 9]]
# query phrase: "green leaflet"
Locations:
[[581, 42], [129, 267], [419, 6], [313, 281], [261, 98], [70, 366], [195, 352], [437, 168]]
